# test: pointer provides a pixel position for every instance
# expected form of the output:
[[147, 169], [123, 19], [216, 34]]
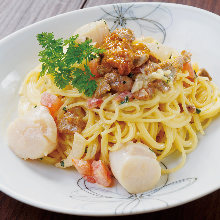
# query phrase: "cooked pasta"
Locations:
[[146, 93], [137, 120]]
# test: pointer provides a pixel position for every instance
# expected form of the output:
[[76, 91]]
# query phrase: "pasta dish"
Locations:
[[110, 104]]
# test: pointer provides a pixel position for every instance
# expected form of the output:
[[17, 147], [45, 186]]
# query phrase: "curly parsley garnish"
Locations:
[[64, 109], [198, 110], [126, 100], [130, 75], [62, 163], [61, 65]]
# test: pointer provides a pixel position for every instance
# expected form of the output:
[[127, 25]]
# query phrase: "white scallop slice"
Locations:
[[33, 135], [96, 31], [135, 167]]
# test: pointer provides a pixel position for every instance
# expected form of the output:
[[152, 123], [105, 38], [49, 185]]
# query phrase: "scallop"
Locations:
[[157, 49], [135, 167], [96, 31], [33, 135]]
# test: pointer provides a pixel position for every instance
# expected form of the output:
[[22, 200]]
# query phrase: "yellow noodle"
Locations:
[[138, 120]]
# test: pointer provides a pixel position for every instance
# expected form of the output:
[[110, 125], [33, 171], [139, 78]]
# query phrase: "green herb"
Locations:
[[126, 100], [60, 65], [195, 74], [130, 75], [41, 158], [64, 109], [35, 106], [198, 110], [168, 80], [62, 163]]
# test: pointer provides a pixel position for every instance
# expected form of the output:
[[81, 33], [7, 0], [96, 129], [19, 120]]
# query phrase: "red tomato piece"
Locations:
[[94, 171], [121, 96], [188, 67], [85, 169], [93, 64], [186, 85], [94, 103], [52, 102], [101, 173], [89, 179]]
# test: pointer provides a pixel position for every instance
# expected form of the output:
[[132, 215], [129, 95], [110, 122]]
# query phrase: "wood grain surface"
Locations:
[[16, 14]]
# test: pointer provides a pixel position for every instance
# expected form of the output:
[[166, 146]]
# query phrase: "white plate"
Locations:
[[47, 187]]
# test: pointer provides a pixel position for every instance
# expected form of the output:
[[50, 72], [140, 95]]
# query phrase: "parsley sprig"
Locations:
[[61, 65], [126, 100], [198, 110]]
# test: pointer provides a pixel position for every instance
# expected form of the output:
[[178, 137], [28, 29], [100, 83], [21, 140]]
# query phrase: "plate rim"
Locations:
[[44, 206]]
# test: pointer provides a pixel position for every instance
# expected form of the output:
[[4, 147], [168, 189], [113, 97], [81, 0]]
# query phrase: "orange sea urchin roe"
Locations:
[[121, 54], [118, 51]]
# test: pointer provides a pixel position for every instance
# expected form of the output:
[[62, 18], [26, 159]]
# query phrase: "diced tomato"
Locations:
[[52, 102], [186, 85], [101, 173], [93, 64], [188, 67], [94, 103], [89, 179], [181, 108], [160, 136], [93, 171], [85, 169], [121, 96]]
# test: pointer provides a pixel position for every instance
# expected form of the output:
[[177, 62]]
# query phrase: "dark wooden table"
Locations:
[[16, 14]]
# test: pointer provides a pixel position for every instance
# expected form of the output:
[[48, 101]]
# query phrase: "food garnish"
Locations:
[[63, 65]]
